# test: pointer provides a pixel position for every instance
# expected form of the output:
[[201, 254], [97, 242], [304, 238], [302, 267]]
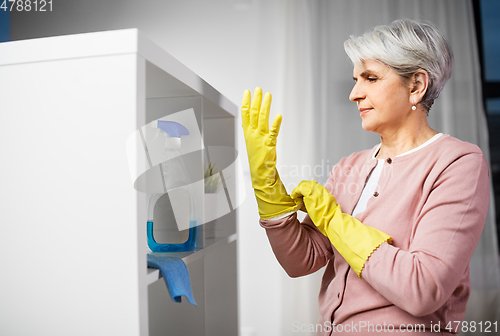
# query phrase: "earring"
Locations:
[[413, 108]]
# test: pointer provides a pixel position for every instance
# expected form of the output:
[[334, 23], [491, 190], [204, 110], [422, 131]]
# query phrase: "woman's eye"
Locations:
[[372, 79]]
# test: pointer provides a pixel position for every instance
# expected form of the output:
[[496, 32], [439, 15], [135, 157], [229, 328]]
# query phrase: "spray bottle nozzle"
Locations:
[[172, 128], [172, 131]]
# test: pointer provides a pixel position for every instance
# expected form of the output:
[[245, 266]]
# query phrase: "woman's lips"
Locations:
[[363, 111]]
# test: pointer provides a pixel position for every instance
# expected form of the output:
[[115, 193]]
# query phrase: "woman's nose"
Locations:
[[356, 93]]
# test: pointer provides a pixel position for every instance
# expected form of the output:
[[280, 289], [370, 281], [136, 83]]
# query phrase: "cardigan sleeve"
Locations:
[[420, 279], [299, 247]]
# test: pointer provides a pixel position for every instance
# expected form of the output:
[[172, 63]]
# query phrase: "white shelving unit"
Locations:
[[73, 241]]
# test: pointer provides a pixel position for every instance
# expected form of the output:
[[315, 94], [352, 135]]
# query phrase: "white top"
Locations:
[[371, 184]]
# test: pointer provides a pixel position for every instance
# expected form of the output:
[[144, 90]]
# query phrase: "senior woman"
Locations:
[[395, 225]]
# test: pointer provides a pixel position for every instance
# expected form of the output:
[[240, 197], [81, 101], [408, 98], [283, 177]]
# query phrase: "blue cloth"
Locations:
[[175, 274]]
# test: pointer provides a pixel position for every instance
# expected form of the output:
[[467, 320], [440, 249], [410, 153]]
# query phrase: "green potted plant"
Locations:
[[213, 205], [212, 180]]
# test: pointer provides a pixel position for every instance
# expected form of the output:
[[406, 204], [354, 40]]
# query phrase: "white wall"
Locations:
[[230, 44], [227, 42]]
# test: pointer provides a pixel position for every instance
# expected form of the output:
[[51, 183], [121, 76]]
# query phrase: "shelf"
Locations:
[[188, 257], [166, 76], [86, 94]]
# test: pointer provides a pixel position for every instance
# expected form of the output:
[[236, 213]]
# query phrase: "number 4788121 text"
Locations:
[[26, 5]]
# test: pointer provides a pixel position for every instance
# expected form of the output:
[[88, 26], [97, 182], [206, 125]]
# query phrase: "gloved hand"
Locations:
[[272, 197], [352, 239]]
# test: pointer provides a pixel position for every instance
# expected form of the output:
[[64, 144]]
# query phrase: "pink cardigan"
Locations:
[[433, 202]]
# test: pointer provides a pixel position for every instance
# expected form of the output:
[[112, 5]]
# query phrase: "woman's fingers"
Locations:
[[257, 113], [275, 129], [297, 191], [264, 113], [304, 189], [245, 109], [255, 108]]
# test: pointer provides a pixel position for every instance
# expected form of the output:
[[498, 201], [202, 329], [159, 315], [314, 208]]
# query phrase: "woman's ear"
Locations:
[[418, 85]]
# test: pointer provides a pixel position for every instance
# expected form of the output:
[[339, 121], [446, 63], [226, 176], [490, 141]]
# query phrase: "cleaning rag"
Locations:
[[175, 274]]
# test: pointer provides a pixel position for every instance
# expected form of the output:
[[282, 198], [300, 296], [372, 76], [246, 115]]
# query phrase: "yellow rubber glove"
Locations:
[[272, 197], [352, 239]]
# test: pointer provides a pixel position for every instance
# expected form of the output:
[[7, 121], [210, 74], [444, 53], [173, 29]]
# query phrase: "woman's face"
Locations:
[[382, 97]]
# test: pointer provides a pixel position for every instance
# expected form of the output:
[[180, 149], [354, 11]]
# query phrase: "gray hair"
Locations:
[[406, 46]]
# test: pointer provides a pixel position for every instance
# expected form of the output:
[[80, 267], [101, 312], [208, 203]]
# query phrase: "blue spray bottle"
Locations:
[[173, 209]]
